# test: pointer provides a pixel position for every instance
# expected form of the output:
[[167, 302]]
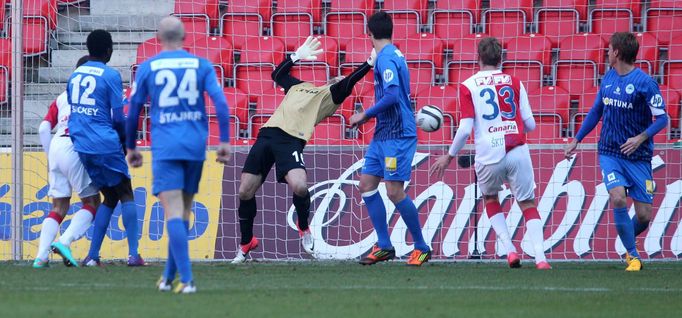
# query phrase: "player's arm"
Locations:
[[590, 121], [466, 125], [308, 51], [137, 99], [389, 72], [652, 95], [45, 128], [222, 111], [526, 111], [116, 102], [343, 89]]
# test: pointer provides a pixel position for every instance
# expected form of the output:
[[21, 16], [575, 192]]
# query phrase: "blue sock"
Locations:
[[410, 216], [177, 238], [129, 215], [377, 213], [102, 219], [638, 227], [171, 268], [625, 230]]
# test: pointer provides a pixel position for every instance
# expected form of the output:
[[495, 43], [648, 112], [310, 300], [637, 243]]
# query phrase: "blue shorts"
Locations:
[[176, 175], [635, 176], [390, 159], [105, 170]]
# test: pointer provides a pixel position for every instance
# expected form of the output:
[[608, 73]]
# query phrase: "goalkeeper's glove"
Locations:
[[308, 51], [372, 58]]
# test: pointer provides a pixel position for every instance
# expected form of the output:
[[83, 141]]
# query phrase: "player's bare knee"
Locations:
[[527, 204], [93, 201], [299, 188], [490, 198], [643, 213], [246, 193], [395, 193], [618, 201], [61, 206]]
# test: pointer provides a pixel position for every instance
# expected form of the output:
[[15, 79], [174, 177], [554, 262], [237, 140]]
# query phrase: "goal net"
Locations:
[[558, 49]]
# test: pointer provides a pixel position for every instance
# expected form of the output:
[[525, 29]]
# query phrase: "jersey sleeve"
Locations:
[[466, 103], [115, 85], [388, 70], [524, 104], [653, 98], [52, 114], [215, 92]]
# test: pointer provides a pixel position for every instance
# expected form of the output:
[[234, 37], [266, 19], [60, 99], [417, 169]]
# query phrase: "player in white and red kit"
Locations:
[[66, 175], [496, 106]]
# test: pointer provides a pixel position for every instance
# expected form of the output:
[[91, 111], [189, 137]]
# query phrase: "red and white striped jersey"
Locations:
[[498, 103], [58, 115]]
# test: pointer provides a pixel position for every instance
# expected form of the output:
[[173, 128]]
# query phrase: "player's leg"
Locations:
[[616, 183], [297, 181], [519, 171], [82, 219], [173, 206], [640, 176], [100, 225], [49, 230], [60, 191], [642, 217], [129, 215], [398, 156]]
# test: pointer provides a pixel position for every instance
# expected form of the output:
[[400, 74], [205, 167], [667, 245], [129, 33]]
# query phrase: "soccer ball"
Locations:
[[430, 118]]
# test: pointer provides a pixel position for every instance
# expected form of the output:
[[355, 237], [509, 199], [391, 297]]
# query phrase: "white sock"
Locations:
[[47, 234], [534, 229], [80, 223], [500, 226]]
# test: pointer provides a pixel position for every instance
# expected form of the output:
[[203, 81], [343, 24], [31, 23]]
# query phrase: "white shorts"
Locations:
[[66, 172], [515, 168]]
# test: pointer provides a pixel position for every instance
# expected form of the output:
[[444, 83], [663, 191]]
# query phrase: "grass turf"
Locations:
[[344, 289]]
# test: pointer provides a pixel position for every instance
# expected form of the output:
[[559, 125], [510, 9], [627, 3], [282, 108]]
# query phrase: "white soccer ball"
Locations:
[[430, 118]]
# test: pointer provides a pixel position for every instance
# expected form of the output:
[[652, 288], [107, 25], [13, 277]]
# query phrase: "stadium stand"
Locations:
[[346, 20], [560, 18], [464, 62], [244, 19], [218, 51], [258, 59], [581, 61], [319, 72], [199, 16], [445, 98], [39, 19], [551, 105], [408, 16], [609, 16], [513, 15], [424, 56], [294, 20], [529, 57], [672, 68], [266, 104], [647, 57], [454, 19], [664, 19]]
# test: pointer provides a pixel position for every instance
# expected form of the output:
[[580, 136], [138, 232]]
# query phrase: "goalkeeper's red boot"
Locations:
[[377, 255], [244, 251], [513, 260]]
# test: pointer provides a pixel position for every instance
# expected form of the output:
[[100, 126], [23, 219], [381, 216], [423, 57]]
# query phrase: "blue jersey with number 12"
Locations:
[[175, 82], [94, 91]]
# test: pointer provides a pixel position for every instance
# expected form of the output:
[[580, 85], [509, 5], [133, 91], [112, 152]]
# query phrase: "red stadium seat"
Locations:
[[206, 10], [46, 9], [528, 58], [266, 104], [585, 102], [545, 132], [454, 19], [39, 18], [407, 16], [424, 54], [593, 136], [319, 72], [609, 16], [195, 28], [258, 59], [330, 131], [147, 49], [218, 51], [236, 100], [357, 52], [664, 19], [647, 57], [672, 68], [672, 102], [551, 104], [5, 68], [294, 20], [347, 19], [559, 18], [443, 97], [507, 19], [464, 61], [244, 19], [214, 130], [581, 60]]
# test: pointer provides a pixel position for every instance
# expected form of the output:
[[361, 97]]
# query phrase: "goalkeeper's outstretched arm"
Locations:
[[344, 88], [282, 77]]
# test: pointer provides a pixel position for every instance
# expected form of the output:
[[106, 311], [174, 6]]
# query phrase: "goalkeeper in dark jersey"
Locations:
[[281, 141]]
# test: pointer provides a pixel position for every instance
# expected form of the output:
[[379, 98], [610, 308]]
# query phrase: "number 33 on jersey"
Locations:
[[498, 103]]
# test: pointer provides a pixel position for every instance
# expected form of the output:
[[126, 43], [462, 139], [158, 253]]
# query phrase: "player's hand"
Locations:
[[358, 119], [440, 165], [569, 150], [134, 158], [372, 57], [224, 153], [631, 145], [308, 51]]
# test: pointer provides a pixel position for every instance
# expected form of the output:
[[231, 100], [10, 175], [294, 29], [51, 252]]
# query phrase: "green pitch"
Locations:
[[333, 289]]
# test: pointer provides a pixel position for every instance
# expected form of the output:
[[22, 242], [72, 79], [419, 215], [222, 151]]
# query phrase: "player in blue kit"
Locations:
[[96, 127], [626, 102], [390, 153], [175, 81]]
